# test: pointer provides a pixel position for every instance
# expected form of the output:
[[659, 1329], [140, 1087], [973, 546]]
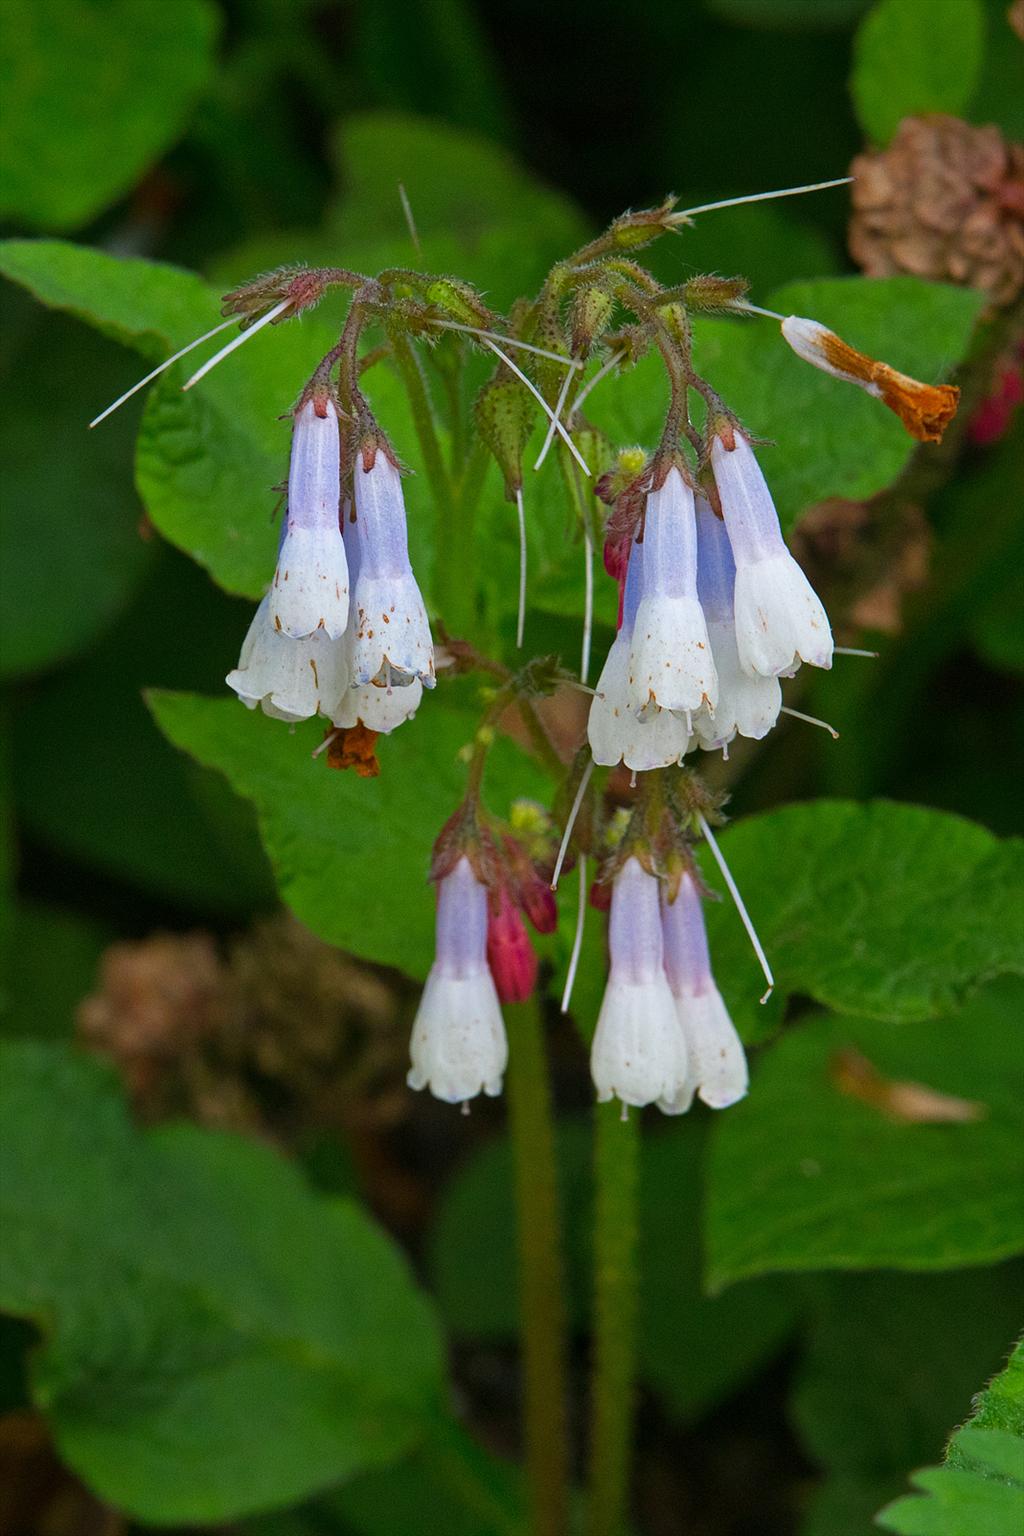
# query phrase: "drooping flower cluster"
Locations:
[[343, 630], [714, 612]]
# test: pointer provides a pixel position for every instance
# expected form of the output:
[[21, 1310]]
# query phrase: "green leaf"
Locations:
[[910, 59], [830, 438], [217, 1340], [93, 95], [789, 15], [351, 855], [54, 959], [804, 1176], [884, 909], [980, 1489], [69, 517], [693, 1349]]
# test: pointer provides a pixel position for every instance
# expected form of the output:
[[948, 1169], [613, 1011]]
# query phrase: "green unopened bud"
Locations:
[[504, 416], [711, 293], [592, 310], [459, 301]]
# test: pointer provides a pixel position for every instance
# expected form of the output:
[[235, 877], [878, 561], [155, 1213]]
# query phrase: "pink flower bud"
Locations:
[[539, 905], [510, 954]]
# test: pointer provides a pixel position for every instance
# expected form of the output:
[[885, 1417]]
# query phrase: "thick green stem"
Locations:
[[616, 1167], [541, 1274]]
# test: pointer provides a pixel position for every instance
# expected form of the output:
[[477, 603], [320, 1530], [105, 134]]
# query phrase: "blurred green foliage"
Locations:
[[211, 1336]]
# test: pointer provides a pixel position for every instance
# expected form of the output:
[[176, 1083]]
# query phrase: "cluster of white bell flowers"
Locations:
[[714, 612], [343, 630], [663, 1033]]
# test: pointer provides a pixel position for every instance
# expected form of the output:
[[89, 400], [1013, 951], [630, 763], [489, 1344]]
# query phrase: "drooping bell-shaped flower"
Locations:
[[748, 704], [390, 640], [639, 1050], [718, 1065], [288, 679], [779, 618], [670, 660], [615, 731], [458, 1045], [309, 592]]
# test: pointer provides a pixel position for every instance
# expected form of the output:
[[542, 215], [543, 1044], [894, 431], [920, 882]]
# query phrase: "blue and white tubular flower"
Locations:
[[310, 587], [380, 708], [616, 731], [670, 661], [391, 644], [748, 704], [779, 618], [639, 1052], [717, 1062], [289, 679], [458, 1045]]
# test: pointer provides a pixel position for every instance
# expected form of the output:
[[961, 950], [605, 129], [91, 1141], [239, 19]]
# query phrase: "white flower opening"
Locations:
[[389, 633], [288, 679], [458, 1046], [717, 1060], [310, 586]]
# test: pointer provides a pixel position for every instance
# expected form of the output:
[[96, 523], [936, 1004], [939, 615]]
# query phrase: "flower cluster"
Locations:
[[663, 1033], [714, 611], [343, 630]]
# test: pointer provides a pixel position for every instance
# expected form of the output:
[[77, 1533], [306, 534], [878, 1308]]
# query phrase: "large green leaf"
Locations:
[[69, 515], [217, 1340], [882, 909], [804, 1176], [830, 439], [93, 94], [980, 1489], [350, 855], [911, 59], [693, 1349]]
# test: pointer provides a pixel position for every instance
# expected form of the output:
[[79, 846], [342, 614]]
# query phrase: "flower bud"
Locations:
[[590, 316], [510, 954], [504, 415], [310, 587]]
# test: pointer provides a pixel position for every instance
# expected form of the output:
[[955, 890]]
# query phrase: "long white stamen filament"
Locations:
[[852, 650], [548, 440], [758, 197], [331, 736], [521, 618], [738, 899], [159, 370], [577, 938], [588, 601], [509, 341], [237, 341], [743, 307], [535, 392], [811, 720], [584, 781], [403, 198], [602, 373]]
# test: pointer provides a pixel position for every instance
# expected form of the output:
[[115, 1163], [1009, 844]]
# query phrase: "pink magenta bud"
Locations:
[[510, 954], [539, 905]]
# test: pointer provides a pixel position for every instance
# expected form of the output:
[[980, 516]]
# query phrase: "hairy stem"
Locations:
[[616, 1166], [541, 1275]]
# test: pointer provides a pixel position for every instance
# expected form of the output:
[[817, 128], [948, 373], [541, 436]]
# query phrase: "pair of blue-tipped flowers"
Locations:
[[343, 630]]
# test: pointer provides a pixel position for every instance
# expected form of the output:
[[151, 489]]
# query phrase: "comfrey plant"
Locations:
[[714, 616]]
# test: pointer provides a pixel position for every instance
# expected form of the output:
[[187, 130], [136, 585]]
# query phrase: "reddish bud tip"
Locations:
[[601, 896], [540, 905], [510, 954]]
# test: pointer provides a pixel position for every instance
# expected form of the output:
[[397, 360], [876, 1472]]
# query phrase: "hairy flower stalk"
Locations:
[[748, 704], [391, 644], [639, 1052], [310, 587], [670, 660], [779, 618], [458, 1045], [717, 1061]]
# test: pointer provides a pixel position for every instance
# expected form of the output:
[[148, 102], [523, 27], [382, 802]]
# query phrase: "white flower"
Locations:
[[670, 660], [310, 588], [390, 633], [748, 705], [458, 1046], [639, 1050], [717, 1060], [779, 618], [615, 731], [288, 679], [379, 709]]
